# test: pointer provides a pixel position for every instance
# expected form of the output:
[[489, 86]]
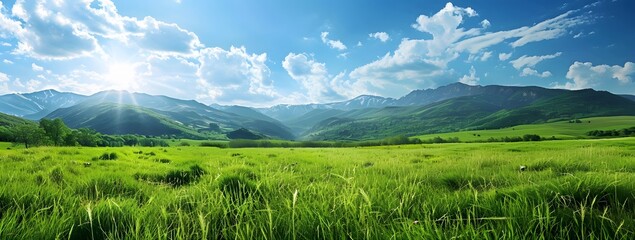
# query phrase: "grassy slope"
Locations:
[[111, 118], [485, 111], [9, 120], [560, 130], [572, 189]]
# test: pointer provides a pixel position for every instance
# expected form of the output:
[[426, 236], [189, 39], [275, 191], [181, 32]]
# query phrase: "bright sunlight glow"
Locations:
[[121, 76]]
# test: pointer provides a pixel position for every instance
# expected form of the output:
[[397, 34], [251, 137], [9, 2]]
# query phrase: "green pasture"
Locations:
[[570, 189], [559, 130]]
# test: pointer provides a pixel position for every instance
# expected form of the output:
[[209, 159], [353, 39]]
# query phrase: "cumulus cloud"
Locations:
[[7, 61], [531, 61], [418, 63], [165, 38], [163, 57], [381, 36], [444, 27], [471, 79], [485, 23], [335, 44], [313, 76], [62, 30], [36, 68], [585, 75], [504, 56], [532, 72], [234, 75], [423, 63]]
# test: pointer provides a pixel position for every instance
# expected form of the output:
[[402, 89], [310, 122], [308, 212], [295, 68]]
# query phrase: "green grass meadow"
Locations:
[[559, 130], [571, 189]]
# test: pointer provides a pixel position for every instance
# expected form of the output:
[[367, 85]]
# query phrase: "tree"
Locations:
[[55, 130], [87, 137], [214, 127], [29, 134]]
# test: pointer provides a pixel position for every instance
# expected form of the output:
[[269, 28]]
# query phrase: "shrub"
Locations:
[[108, 156], [214, 144]]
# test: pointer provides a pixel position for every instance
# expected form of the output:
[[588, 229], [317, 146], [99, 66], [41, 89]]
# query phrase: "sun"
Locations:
[[121, 76]]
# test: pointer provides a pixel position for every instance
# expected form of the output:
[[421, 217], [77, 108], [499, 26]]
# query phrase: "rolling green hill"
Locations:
[[570, 104], [486, 111], [111, 118], [303, 123], [8, 120], [559, 130]]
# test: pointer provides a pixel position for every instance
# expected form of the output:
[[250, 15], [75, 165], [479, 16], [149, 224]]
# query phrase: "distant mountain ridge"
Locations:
[[497, 107], [37, 104], [452, 107], [415, 98]]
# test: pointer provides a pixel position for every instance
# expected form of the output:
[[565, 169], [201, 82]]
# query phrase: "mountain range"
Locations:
[[448, 108]]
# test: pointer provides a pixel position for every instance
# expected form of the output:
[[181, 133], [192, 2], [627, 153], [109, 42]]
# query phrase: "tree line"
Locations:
[[613, 133], [53, 132]]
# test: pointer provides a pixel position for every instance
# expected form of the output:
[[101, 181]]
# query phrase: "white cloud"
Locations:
[[444, 27], [531, 61], [4, 83], [359, 44], [585, 75], [335, 44], [234, 76], [8, 26], [6, 44], [36, 68], [163, 57], [313, 76], [7, 61], [471, 79], [532, 72], [504, 56], [4, 77], [165, 38], [381, 36], [33, 85], [545, 30], [423, 63], [60, 30], [485, 23], [45, 35], [418, 63], [485, 56]]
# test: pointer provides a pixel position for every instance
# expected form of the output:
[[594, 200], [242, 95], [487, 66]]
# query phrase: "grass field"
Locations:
[[571, 189], [560, 130]]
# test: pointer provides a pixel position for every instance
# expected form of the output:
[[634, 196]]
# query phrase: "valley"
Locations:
[[450, 108]]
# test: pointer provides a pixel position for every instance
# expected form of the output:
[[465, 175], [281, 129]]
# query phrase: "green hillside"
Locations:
[[486, 111], [569, 105], [9, 120], [111, 118], [560, 129]]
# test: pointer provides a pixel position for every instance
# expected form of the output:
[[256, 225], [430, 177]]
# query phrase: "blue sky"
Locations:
[[262, 53]]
